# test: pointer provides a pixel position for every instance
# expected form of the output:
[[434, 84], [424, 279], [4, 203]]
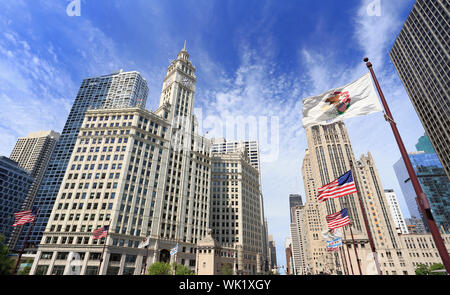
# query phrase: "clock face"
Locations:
[[185, 81]]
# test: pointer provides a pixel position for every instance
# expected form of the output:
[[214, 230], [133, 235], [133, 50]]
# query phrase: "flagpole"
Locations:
[[348, 252], [104, 246], [344, 260], [421, 198], [26, 239], [356, 252], [366, 223], [145, 261]]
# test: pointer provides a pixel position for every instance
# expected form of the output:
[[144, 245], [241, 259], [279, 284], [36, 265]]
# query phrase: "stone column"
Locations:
[[35, 263], [52, 262]]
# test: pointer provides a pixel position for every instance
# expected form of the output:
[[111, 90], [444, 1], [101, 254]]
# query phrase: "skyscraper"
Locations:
[[220, 145], [273, 253], [235, 206], [33, 154], [420, 55], [434, 183], [15, 183], [424, 145], [328, 157], [396, 212], [299, 241], [120, 89], [251, 147], [294, 200], [145, 174]]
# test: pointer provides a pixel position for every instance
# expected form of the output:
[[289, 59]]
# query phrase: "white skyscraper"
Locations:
[[144, 174], [397, 215], [220, 146]]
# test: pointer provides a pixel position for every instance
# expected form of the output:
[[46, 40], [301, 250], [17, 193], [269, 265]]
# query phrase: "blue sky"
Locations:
[[253, 58]]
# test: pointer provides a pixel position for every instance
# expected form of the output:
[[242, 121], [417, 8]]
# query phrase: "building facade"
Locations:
[[294, 200], [396, 212], [273, 254], [328, 156], [299, 239], [121, 89], [435, 184], [147, 176], [32, 153], [420, 56], [251, 147], [288, 250], [15, 183], [235, 207], [415, 225], [424, 144]]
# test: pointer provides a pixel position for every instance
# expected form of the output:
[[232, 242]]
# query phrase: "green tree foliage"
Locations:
[[6, 263], [25, 271], [437, 266], [227, 269], [159, 268], [183, 270], [422, 269], [162, 268]]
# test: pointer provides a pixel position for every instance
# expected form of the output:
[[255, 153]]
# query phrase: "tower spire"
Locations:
[[184, 48]]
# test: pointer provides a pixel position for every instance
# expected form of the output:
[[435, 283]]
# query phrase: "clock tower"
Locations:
[[183, 215], [177, 95]]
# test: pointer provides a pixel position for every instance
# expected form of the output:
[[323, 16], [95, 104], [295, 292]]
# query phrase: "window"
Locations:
[[115, 257]]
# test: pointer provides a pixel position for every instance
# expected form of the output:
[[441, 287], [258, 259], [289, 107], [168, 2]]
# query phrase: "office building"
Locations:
[[420, 56], [221, 145], [32, 153], [294, 200], [396, 212], [235, 207], [299, 239], [415, 225], [120, 90], [434, 182], [145, 174], [328, 156], [273, 254], [424, 145], [288, 251], [15, 183]]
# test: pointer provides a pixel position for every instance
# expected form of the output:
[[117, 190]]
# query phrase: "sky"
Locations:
[[256, 60]]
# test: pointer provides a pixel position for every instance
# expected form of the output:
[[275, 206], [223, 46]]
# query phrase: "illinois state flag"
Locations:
[[355, 99]]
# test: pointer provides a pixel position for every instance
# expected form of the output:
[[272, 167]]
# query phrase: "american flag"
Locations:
[[338, 219], [101, 232], [340, 187], [174, 250], [24, 217]]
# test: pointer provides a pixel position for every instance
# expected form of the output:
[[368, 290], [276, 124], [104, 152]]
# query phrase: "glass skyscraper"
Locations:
[[14, 185], [434, 183], [116, 90], [425, 145]]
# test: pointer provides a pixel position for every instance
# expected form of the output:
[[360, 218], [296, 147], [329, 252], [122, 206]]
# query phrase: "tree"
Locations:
[[159, 268], [25, 271], [183, 270], [422, 269], [227, 269], [6, 263], [437, 266], [163, 268]]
